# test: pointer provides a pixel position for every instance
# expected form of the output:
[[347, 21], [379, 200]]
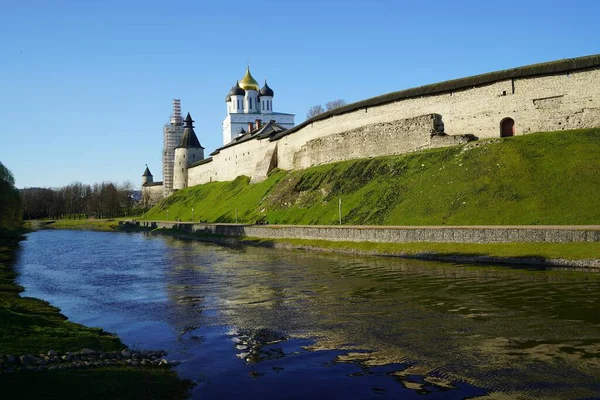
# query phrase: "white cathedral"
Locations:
[[248, 109], [246, 104]]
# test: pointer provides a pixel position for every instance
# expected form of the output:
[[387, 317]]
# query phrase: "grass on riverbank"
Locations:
[[94, 224], [569, 251], [33, 326], [544, 178]]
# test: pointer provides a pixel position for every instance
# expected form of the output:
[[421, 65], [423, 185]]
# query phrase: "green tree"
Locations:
[[11, 207]]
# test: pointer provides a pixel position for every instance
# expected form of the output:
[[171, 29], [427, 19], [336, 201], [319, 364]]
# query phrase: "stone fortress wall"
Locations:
[[560, 95], [152, 194]]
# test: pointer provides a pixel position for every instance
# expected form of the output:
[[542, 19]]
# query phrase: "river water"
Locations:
[[266, 323]]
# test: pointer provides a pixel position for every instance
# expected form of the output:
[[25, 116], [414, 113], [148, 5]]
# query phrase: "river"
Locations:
[[267, 323]]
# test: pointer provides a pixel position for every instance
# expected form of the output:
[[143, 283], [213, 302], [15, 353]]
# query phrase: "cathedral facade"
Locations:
[[247, 103]]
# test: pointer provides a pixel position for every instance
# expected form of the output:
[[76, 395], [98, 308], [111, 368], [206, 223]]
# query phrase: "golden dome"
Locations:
[[248, 82]]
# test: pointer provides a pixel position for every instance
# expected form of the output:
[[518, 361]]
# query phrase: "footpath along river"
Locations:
[[264, 323]]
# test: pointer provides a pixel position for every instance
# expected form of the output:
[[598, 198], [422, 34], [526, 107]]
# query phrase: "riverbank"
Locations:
[[34, 336], [582, 254], [540, 246], [93, 224], [579, 255]]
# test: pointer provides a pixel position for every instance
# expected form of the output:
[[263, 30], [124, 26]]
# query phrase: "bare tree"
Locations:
[[318, 109], [314, 111], [333, 104]]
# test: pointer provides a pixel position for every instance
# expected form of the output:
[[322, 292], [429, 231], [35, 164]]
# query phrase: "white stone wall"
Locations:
[[555, 102], [478, 110], [152, 195], [252, 157], [390, 138]]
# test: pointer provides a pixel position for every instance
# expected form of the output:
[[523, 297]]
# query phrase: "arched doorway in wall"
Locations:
[[507, 127]]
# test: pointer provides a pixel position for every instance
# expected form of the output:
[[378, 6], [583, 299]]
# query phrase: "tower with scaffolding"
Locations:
[[172, 134]]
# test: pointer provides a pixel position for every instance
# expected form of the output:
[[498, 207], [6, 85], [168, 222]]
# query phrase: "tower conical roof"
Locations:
[[189, 138], [147, 172], [248, 82]]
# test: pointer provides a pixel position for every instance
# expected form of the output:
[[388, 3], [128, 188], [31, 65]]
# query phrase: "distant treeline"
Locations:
[[10, 202], [77, 200]]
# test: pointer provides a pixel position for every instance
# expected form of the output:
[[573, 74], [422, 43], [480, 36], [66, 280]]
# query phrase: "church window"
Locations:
[[250, 100]]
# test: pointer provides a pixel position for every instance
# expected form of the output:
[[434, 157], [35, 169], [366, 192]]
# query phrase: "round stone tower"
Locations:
[[188, 152], [147, 177]]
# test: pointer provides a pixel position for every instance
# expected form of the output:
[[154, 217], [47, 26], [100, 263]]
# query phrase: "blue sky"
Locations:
[[86, 86]]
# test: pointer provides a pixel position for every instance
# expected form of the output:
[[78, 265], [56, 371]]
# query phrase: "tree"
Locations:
[[318, 109], [333, 104], [314, 111], [11, 206]]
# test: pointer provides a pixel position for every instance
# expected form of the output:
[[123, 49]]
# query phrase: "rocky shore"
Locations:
[[86, 358]]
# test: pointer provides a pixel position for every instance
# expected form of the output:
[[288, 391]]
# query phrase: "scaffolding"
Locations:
[[172, 134]]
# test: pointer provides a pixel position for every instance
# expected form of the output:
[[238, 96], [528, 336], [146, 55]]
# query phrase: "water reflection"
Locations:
[[335, 325]]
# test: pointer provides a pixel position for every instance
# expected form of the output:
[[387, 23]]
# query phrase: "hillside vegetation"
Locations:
[[542, 178]]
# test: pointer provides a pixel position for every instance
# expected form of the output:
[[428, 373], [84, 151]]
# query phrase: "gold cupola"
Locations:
[[248, 82]]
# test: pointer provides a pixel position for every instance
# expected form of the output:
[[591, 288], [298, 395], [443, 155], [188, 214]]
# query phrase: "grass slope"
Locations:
[[542, 178]]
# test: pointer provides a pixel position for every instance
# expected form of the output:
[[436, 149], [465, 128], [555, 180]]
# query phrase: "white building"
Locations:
[[247, 104]]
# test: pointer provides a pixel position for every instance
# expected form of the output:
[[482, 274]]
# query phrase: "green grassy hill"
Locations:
[[542, 178]]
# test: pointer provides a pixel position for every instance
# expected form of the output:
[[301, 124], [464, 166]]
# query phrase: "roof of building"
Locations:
[[248, 82], [152, 184], [528, 71], [205, 161], [266, 90], [268, 130], [189, 139], [147, 172]]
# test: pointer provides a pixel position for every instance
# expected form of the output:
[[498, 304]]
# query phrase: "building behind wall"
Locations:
[[152, 192], [247, 103], [172, 134]]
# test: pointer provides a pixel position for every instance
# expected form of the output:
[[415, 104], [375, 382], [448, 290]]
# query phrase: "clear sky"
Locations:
[[86, 86]]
